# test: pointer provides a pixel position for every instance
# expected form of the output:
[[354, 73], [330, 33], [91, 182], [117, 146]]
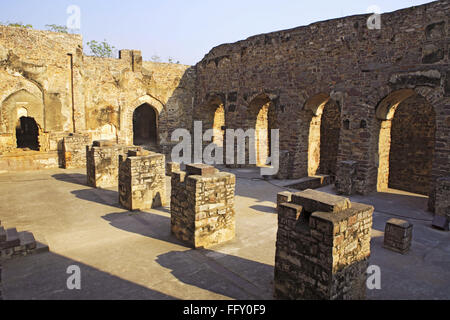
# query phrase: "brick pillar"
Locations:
[[142, 182], [202, 206], [102, 163], [323, 247]]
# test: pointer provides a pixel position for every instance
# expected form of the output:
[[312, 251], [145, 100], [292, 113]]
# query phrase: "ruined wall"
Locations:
[[45, 75], [354, 66]]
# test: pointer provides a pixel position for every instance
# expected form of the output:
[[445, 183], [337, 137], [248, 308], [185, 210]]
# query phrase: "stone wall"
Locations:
[[202, 206], [102, 163], [44, 75], [341, 60], [142, 180], [322, 248]]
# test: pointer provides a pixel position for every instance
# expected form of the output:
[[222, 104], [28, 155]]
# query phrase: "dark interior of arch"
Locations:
[[145, 126], [412, 146], [329, 138], [27, 134]]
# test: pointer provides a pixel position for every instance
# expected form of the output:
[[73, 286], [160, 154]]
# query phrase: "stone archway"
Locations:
[[145, 126], [324, 133], [262, 118], [406, 142]]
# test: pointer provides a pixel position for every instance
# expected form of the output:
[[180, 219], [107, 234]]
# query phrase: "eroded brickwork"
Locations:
[[142, 180], [443, 197], [102, 163], [398, 235], [322, 249], [202, 206]]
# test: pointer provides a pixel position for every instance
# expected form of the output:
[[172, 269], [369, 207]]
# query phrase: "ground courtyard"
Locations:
[[132, 255]]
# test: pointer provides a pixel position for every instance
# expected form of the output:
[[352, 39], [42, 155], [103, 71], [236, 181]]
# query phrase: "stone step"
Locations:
[[12, 239], [312, 182], [2, 235], [27, 240]]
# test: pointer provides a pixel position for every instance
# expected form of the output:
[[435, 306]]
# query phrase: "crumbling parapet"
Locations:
[[142, 181], [322, 248], [202, 206], [346, 177], [74, 150], [102, 163]]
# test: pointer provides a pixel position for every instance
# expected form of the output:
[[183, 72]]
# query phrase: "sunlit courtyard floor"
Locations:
[[125, 255]]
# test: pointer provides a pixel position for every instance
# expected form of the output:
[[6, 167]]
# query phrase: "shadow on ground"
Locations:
[[224, 274], [144, 223], [75, 178], [44, 277]]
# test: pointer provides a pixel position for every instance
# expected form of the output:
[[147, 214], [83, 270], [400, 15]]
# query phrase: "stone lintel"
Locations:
[[313, 201]]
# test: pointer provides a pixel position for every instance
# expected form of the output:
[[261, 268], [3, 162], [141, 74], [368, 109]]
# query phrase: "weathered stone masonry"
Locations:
[[202, 206], [102, 163], [323, 247], [363, 71], [142, 180]]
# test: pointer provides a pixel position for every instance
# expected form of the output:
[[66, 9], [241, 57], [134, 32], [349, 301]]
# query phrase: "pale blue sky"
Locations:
[[185, 29]]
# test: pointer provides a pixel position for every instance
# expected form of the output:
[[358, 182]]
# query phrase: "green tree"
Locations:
[[101, 49], [57, 28], [17, 24]]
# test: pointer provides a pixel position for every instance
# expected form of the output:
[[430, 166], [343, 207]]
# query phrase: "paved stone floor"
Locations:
[[125, 255]]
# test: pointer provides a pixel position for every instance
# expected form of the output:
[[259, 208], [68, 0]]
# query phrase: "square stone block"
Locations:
[[398, 235], [283, 197], [172, 167]]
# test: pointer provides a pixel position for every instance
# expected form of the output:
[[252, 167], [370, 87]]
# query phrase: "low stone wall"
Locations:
[[142, 180], [202, 206], [74, 148], [322, 248], [102, 163]]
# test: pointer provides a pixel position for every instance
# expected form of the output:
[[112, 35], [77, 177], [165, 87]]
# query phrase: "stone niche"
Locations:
[[74, 150], [102, 163], [142, 180], [322, 248], [202, 206]]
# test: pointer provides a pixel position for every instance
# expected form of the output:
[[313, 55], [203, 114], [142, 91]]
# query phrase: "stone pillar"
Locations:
[[398, 235], [172, 167], [346, 177], [142, 181], [202, 206], [284, 165], [102, 163], [323, 247], [74, 150], [443, 197]]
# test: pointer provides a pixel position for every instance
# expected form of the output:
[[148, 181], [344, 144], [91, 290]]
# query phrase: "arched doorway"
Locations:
[[262, 118], [324, 133], [219, 123], [27, 133], [145, 126], [406, 143]]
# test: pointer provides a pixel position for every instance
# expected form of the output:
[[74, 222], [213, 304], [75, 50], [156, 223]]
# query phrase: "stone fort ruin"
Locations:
[[365, 109], [343, 92]]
